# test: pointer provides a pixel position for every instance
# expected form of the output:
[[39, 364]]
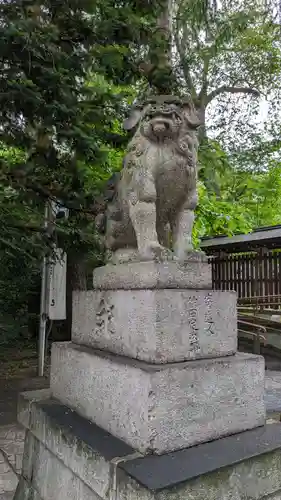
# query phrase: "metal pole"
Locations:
[[43, 304]]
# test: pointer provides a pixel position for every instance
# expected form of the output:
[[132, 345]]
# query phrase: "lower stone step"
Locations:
[[160, 408], [67, 457]]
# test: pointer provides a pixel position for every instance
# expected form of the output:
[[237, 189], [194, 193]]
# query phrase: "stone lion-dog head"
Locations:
[[165, 122]]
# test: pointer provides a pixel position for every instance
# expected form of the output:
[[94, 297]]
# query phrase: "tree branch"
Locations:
[[23, 227], [232, 90], [204, 88], [181, 54], [46, 194]]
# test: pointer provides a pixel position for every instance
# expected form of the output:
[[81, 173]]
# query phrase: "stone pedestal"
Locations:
[[151, 371], [156, 364], [160, 408], [154, 313], [157, 326], [67, 457]]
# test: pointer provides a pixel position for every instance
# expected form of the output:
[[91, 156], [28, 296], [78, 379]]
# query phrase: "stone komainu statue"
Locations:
[[151, 212]]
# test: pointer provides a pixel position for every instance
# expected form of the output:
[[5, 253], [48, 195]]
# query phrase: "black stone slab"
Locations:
[[95, 437], [166, 471]]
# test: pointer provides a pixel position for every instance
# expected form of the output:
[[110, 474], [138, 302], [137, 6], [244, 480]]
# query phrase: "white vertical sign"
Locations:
[[57, 286]]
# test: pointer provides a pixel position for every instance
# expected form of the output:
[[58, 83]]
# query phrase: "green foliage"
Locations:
[[60, 120], [229, 62], [19, 287], [219, 216], [71, 69], [242, 199], [237, 45]]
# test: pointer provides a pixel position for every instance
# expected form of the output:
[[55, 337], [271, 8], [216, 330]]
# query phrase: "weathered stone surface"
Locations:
[[49, 476], [85, 449], [11, 451], [150, 275], [25, 491], [250, 480], [156, 194], [62, 431], [274, 496], [159, 408], [254, 475], [64, 484], [25, 404], [8, 478], [11, 444], [157, 326], [7, 496]]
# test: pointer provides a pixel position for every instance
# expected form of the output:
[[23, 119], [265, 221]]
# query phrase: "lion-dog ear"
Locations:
[[191, 115], [133, 119]]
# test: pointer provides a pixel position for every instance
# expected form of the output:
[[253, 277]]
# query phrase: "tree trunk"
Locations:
[[158, 70], [202, 133]]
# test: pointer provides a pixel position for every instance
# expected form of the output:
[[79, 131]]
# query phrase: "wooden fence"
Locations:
[[256, 277]]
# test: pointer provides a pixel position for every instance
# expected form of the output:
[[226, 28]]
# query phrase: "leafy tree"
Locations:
[[58, 121], [226, 57], [232, 48], [69, 72], [246, 198]]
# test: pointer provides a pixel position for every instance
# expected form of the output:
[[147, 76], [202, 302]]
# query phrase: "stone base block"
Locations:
[[150, 275], [158, 326], [68, 458], [159, 408]]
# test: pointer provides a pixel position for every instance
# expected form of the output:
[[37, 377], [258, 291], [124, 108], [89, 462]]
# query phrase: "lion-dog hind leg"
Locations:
[[119, 231]]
